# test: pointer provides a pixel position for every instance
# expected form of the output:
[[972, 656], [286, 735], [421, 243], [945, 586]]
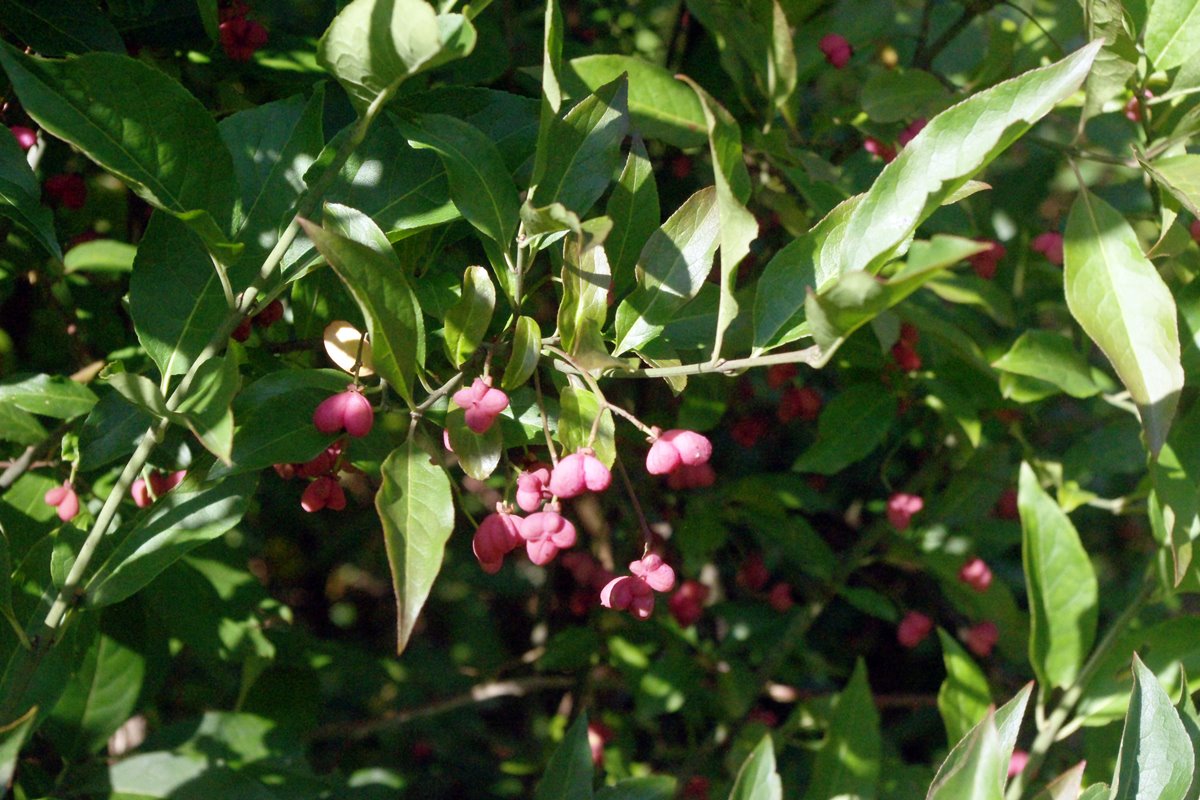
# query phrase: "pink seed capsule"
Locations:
[[913, 629], [657, 574], [662, 459], [65, 501], [498, 534], [981, 638], [26, 137], [545, 533], [900, 509], [358, 416], [693, 448], [481, 403], [532, 489], [976, 574], [628, 594]]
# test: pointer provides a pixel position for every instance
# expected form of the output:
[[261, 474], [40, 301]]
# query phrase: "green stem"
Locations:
[[813, 356], [1048, 733]]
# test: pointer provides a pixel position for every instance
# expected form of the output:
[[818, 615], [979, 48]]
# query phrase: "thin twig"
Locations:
[[647, 534]]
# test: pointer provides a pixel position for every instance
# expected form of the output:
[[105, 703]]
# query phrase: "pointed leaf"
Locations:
[[1066, 786], [1172, 34], [1179, 175], [584, 306], [417, 511], [851, 425], [1007, 724], [526, 350], [671, 269], [21, 197], [478, 453], [206, 407], [975, 768], [1049, 357], [467, 320], [552, 42], [569, 774], [1121, 302], [12, 739], [377, 282], [848, 763], [1117, 61], [578, 409], [964, 697], [480, 184], [633, 208], [757, 778], [1176, 479], [867, 230], [47, 396], [1156, 759]]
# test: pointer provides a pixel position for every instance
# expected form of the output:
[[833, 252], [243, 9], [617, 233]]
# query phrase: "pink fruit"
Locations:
[[901, 507], [685, 477], [905, 356], [1194, 230], [65, 500], [161, 483], [687, 604], [578, 473], [597, 734], [140, 493], [242, 332], [1049, 244], [1017, 762], [358, 416], [878, 148], [545, 533], [324, 492], [498, 534], [693, 448], [26, 137], [532, 489], [836, 49], [913, 629], [780, 597], [482, 404], [753, 574], [657, 574], [781, 374], [66, 189], [628, 594], [241, 38], [662, 459], [269, 315], [985, 263], [976, 574], [348, 410], [910, 133], [981, 638], [803, 403]]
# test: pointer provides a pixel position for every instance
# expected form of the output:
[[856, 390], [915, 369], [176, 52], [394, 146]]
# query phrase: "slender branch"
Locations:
[[647, 534], [537, 386], [32, 454], [1086, 155], [1049, 733], [813, 356], [518, 687], [972, 10], [223, 277]]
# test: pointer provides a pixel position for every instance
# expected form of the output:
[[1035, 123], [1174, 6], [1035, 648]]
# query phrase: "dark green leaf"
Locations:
[[12, 738], [19, 426], [47, 396], [633, 208], [141, 391], [526, 350], [964, 697], [584, 150], [55, 29], [1176, 479], [569, 773], [1105, 268], [671, 269], [651, 787], [417, 511], [867, 230], [1156, 759], [138, 124], [899, 95], [206, 409], [480, 184], [757, 778], [180, 521], [578, 409], [111, 431], [660, 105], [584, 306], [478, 453], [552, 42], [848, 763], [851, 425], [21, 197], [467, 320], [387, 301]]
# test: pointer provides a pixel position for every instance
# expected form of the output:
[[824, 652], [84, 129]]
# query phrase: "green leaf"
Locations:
[[100, 256], [54, 29], [552, 41], [206, 409], [274, 416], [847, 765], [584, 306], [1050, 357], [1105, 272], [393, 316], [671, 269], [1156, 759], [467, 320], [21, 197], [179, 522], [852, 424], [1179, 175], [141, 391], [138, 124], [866, 231], [1176, 479], [1066, 786], [757, 778], [898, 95], [569, 773], [374, 45], [417, 511], [576, 418], [47, 396], [633, 208], [1097, 791], [975, 768], [6, 570], [12, 738], [1172, 35], [964, 697], [661, 106], [856, 298], [649, 787], [1117, 61], [480, 184], [526, 350], [1063, 594], [584, 150], [738, 226], [478, 453], [175, 298], [19, 426], [1191, 723]]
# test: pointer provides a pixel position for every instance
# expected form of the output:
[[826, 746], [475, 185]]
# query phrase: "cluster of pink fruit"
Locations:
[[347, 411], [145, 491], [241, 37], [270, 314]]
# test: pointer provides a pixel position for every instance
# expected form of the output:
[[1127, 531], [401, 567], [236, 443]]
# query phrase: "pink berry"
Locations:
[[780, 375], [747, 431], [981, 638], [348, 410], [545, 533], [324, 492], [1017, 762], [482, 404], [1006, 507], [241, 38], [329, 414], [657, 574], [65, 500], [242, 332], [910, 133], [878, 148], [358, 416], [532, 489], [685, 477], [26, 137], [687, 604], [1049, 244], [269, 315], [803, 403], [900, 509], [780, 597], [597, 734], [662, 459], [1194, 230], [628, 594], [976, 574], [577, 473], [985, 263], [140, 493], [498, 534], [66, 189], [694, 449], [913, 629], [905, 356], [836, 49], [161, 483], [585, 569], [753, 574]]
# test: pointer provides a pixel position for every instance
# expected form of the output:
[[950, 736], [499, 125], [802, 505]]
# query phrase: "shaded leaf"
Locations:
[[1156, 759], [47, 396], [467, 320], [852, 424], [848, 763], [478, 453], [568, 775], [526, 350], [21, 197], [757, 778], [578, 409], [633, 209], [56, 29], [964, 697]]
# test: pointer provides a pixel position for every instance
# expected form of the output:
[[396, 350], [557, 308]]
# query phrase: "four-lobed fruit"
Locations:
[[482, 404]]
